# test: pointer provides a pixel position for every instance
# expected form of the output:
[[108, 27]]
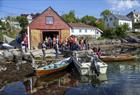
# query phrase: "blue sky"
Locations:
[[81, 7]]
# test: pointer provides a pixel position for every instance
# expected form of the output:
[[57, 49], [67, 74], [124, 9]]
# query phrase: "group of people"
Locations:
[[50, 43], [71, 43]]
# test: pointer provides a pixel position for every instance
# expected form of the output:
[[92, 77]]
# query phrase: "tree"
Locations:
[[70, 17], [23, 21], [121, 30], [90, 20], [2, 26], [100, 24], [109, 33], [105, 13]]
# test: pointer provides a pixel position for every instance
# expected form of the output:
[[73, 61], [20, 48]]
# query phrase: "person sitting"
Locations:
[[98, 53]]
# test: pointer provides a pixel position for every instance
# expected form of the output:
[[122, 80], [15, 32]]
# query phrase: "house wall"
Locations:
[[65, 34], [82, 31], [85, 31], [111, 22], [121, 22], [35, 38], [135, 19], [40, 21], [39, 24], [97, 33]]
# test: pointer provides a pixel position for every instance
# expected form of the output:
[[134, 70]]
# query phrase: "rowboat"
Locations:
[[121, 57], [53, 67]]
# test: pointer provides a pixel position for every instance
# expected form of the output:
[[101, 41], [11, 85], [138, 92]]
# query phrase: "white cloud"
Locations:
[[118, 5]]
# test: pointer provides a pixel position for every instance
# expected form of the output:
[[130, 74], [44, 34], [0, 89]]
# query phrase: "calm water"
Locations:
[[122, 78]]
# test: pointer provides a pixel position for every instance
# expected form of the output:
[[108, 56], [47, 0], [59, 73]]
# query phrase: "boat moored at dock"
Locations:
[[53, 67], [89, 65]]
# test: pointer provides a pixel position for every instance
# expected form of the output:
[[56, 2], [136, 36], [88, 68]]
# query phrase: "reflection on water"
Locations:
[[122, 78], [15, 88]]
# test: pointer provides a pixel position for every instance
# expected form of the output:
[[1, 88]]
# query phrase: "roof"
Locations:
[[80, 25], [133, 12], [121, 17], [44, 12]]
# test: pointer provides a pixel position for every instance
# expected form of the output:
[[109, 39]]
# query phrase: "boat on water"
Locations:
[[100, 65], [121, 57], [89, 65], [53, 67]]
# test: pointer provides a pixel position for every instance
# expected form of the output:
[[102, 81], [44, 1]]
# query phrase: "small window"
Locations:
[[107, 24], [97, 32], [72, 31], [114, 23], [106, 19], [137, 20], [86, 30], [110, 18], [136, 15], [49, 20], [80, 30]]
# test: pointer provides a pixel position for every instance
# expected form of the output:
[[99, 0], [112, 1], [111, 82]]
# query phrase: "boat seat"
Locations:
[[55, 66], [44, 68]]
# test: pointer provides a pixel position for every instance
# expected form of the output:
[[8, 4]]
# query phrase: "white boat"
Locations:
[[101, 66], [89, 65]]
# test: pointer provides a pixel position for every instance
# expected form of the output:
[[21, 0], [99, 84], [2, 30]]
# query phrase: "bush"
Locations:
[[119, 32], [109, 33]]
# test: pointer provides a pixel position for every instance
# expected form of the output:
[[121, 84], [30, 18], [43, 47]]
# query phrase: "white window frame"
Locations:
[[49, 20]]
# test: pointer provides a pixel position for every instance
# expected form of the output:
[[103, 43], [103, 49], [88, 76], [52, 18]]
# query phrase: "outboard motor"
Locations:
[[95, 66]]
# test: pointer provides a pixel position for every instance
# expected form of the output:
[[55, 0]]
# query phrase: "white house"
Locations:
[[114, 20], [135, 17], [29, 18], [80, 29]]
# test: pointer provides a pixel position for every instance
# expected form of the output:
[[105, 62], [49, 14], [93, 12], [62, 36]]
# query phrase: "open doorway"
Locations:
[[50, 34]]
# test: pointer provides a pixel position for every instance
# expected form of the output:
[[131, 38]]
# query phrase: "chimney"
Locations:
[[134, 10]]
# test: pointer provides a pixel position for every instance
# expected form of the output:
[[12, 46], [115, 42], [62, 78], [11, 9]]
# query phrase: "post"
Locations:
[[28, 32]]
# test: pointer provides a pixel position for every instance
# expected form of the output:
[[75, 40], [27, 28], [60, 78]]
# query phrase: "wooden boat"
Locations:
[[54, 67], [117, 58]]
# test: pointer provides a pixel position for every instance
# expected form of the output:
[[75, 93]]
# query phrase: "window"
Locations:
[[136, 15], [110, 18], [137, 21], [86, 30], [114, 24], [107, 24], [80, 30], [97, 32], [72, 31], [106, 19], [49, 20]]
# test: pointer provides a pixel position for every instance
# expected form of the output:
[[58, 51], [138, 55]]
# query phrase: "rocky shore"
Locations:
[[12, 69], [15, 66], [14, 72]]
